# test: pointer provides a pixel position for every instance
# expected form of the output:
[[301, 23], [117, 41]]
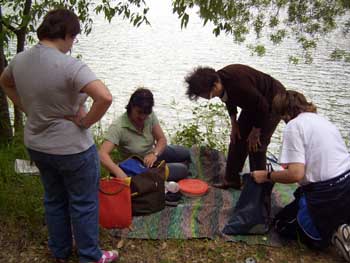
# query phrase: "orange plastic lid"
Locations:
[[193, 187]]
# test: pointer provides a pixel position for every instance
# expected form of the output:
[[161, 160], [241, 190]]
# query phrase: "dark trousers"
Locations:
[[238, 151], [176, 157], [286, 224], [328, 203]]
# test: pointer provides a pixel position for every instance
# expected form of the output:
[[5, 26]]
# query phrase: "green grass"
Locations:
[[20, 196], [23, 234]]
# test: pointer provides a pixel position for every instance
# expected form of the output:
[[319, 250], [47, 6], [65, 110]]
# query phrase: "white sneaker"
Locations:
[[341, 241]]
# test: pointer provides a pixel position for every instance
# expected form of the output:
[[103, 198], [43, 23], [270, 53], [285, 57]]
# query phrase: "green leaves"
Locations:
[[210, 126], [184, 20], [278, 37], [305, 21], [340, 55], [180, 7], [23, 17], [15, 18], [258, 50], [124, 9]]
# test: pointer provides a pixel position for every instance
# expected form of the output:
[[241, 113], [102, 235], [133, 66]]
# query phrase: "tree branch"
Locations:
[[10, 27]]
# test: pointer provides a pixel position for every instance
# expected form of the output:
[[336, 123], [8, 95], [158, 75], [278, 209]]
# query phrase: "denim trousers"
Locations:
[[328, 203], [176, 158], [71, 201]]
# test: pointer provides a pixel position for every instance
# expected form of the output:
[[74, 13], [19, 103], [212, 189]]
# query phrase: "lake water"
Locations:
[[160, 55]]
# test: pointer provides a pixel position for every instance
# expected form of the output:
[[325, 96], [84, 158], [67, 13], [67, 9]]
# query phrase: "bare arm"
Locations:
[[8, 85], [159, 137], [102, 99], [106, 160], [293, 174]]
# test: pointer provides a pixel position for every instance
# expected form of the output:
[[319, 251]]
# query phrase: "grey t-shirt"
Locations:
[[49, 84]]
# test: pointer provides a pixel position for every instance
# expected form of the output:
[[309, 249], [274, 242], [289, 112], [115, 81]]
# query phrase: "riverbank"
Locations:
[[24, 243], [23, 235]]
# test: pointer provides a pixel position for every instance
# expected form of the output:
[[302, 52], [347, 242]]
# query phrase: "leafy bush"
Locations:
[[210, 127]]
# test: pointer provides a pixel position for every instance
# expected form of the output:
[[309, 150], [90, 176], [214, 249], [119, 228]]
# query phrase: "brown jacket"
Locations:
[[249, 89]]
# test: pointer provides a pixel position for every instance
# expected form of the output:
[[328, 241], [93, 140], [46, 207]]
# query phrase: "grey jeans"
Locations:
[[177, 158]]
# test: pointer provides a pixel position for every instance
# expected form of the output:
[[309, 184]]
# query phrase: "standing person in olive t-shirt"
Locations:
[[252, 91]]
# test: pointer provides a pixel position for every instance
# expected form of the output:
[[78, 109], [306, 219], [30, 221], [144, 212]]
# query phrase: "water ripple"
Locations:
[[160, 56]]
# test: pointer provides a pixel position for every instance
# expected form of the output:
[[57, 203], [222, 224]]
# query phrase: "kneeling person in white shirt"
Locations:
[[318, 160]]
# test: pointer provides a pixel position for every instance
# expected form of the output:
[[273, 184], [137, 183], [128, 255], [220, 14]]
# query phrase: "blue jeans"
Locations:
[[71, 201], [328, 203], [176, 157]]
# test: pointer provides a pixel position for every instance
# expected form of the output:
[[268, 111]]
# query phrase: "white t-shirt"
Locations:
[[314, 141]]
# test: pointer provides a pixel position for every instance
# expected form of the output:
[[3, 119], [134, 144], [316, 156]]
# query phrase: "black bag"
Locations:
[[148, 191], [286, 224], [252, 212]]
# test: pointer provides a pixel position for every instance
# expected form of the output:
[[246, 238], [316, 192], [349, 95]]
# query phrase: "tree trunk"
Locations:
[[5, 121], [18, 121], [21, 37]]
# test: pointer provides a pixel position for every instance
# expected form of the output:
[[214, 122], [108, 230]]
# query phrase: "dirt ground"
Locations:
[[19, 245]]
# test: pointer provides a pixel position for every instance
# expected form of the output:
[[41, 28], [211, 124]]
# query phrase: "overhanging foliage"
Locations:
[[307, 21]]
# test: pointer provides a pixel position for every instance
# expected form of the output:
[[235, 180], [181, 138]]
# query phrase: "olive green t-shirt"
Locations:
[[128, 139]]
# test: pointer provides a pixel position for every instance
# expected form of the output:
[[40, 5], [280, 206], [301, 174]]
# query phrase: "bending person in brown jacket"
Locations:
[[252, 91]]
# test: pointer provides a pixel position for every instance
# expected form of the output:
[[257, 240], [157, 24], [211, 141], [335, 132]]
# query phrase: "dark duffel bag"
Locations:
[[148, 190]]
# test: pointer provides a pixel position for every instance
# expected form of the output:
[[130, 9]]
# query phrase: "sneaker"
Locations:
[[108, 256], [341, 241]]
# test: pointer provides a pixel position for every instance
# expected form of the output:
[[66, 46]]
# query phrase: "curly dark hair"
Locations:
[[291, 103], [59, 23], [142, 98], [200, 81]]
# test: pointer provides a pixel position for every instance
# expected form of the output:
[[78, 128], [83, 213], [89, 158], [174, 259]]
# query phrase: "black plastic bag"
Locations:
[[252, 212]]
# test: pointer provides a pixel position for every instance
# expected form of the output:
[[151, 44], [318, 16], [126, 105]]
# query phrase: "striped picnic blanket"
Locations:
[[203, 217]]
